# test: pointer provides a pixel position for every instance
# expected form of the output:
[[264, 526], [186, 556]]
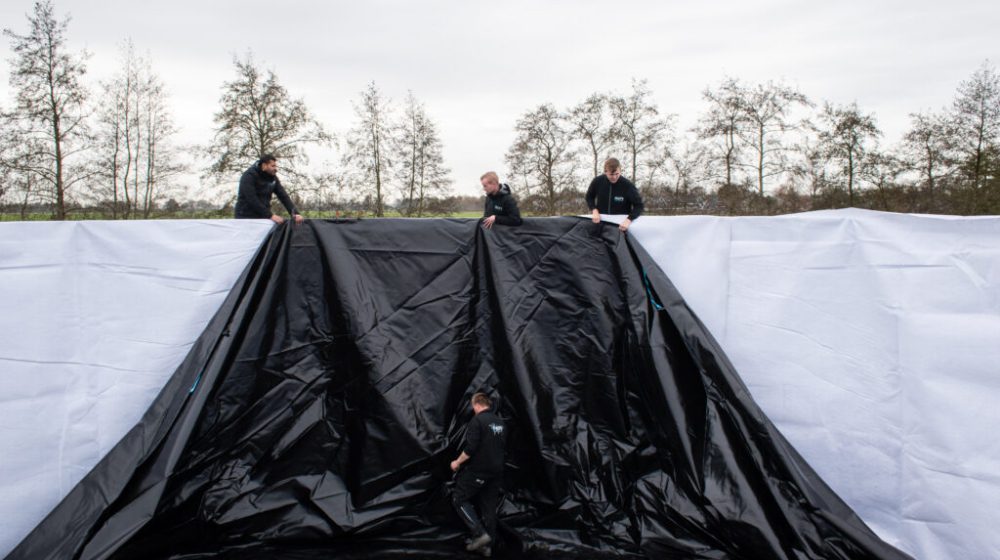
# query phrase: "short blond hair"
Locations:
[[482, 399], [612, 164], [491, 175]]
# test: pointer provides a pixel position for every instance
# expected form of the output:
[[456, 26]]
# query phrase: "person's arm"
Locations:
[[248, 193], [637, 206], [286, 201], [513, 215], [472, 439], [488, 216], [458, 462], [591, 198]]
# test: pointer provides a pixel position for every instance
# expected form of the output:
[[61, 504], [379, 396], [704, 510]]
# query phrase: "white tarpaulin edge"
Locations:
[[871, 340], [94, 318]]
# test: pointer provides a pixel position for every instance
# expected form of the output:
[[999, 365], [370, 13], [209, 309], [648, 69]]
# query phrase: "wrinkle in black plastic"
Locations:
[[332, 391]]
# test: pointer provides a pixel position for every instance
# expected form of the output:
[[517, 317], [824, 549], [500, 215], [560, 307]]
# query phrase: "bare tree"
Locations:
[[134, 130], [767, 112], [811, 166], [50, 111], [542, 156], [675, 185], [115, 123], [687, 166], [976, 122], [159, 155], [847, 136], [881, 170], [926, 148], [722, 124], [591, 123], [421, 171], [259, 116], [6, 178], [639, 126], [9, 160], [370, 145]]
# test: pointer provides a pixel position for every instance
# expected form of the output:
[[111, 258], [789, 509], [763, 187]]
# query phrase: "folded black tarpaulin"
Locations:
[[317, 414]]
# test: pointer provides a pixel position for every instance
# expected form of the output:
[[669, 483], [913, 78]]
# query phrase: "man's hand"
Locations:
[[596, 217], [623, 227], [299, 219], [277, 219], [488, 222], [454, 465]]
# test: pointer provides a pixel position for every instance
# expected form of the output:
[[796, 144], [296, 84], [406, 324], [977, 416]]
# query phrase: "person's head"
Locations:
[[612, 169], [481, 402], [268, 164], [491, 182]]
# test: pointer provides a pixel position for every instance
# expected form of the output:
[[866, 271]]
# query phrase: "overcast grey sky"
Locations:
[[477, 66]]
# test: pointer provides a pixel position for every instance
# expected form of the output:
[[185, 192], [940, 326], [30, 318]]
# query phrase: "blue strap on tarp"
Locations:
[[195, 386], [649, 291]]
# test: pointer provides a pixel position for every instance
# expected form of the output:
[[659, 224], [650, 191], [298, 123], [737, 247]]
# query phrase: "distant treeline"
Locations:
[[70, 149]]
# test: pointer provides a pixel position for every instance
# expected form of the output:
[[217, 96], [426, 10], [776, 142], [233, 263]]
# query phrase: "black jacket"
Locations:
[[620, 197], [253, 200], [502, 205], [484, 443]]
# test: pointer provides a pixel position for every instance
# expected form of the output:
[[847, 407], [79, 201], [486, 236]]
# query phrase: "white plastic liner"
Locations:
[[94, 318]]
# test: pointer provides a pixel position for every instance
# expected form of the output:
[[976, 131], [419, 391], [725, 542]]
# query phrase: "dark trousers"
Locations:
[[483, 491]]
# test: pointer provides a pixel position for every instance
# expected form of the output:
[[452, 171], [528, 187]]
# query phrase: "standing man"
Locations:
[[501, 208], [614, 194], [253, 200], [479, 471]]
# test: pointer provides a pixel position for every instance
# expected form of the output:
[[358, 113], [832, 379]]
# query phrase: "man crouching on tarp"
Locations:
[[479, 471], [257, 185], [501, 208]]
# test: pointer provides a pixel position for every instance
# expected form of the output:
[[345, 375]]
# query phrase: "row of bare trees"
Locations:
[[393, 154], [46, 129], [389, 154], [756, 148], [763, 148], [133, 129], [59, 143], [115, 152]]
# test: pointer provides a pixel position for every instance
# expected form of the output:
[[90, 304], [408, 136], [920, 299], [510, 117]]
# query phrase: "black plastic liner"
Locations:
[[317, 414]]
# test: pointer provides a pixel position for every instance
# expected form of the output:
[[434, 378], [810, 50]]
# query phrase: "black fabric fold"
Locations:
[[317, 414]]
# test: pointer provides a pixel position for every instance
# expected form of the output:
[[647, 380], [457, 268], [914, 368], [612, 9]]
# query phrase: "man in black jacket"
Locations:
[[253, 200], [501, 208], [479, 471], [613, 194]]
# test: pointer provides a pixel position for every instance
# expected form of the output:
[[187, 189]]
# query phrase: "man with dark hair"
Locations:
[[479, 471], [253, 200], [614, 194], [501, 208]]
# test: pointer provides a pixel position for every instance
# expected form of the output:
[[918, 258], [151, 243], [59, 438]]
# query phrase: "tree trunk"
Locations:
[[760, 161], [850, 178]]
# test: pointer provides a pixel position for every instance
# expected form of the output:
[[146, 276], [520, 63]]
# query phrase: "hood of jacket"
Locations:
[[504, 190]]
